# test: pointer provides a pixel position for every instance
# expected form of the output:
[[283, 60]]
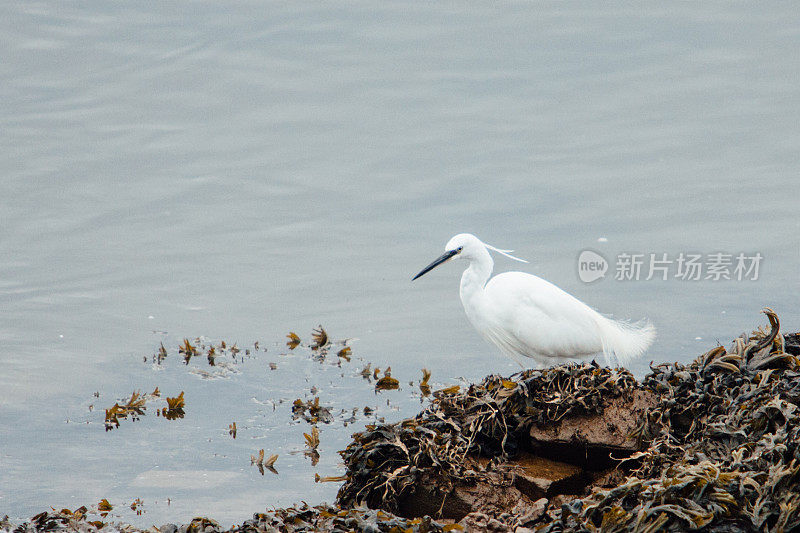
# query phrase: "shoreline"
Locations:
[[712, 444]]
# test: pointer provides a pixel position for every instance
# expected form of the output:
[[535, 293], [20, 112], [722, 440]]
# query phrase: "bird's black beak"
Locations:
[[441, 259]]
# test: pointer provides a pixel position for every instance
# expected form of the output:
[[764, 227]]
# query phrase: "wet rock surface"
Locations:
[[712, 446]]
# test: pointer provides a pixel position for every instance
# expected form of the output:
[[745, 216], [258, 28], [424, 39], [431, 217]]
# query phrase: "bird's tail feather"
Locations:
[[623, 342]]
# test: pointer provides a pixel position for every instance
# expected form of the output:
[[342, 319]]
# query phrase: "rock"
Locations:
[[792, 343], [538, 477], [168, 528], [529, 514], [607, 432], [483, 522], [455, 500], [523, 484]]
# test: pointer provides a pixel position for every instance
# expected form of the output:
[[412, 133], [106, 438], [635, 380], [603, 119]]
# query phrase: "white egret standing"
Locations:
[[525, 315]]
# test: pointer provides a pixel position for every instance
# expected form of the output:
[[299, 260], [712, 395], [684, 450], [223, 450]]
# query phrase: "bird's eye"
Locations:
[[459, 249]]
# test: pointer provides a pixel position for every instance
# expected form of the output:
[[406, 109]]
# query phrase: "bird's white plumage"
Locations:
[[525, 315]]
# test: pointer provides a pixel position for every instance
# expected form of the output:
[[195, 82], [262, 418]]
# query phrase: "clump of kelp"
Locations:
[[717, 448]]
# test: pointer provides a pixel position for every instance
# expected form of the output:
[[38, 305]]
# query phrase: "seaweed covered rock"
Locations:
[[723, 447], [712, 445], [500, 443]]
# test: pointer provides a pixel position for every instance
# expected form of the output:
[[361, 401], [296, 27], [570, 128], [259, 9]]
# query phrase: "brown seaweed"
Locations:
[[133, 407], [344, 353], [312, 443], [294, 340], [311, 411], [188, 350], [174, 408], [264, 463], [387, 382], [320, 338], [424, 386], [137, 506], [104, 507]]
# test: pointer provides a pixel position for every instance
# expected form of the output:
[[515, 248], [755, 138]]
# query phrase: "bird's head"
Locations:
[[464, 246]]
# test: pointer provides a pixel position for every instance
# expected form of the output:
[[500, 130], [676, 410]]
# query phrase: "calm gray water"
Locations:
[[173, 170]]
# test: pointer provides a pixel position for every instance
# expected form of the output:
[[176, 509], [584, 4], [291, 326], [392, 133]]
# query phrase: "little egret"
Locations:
[[525, 315]]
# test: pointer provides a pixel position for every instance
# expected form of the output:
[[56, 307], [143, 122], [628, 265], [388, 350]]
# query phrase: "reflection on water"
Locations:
[[238, 174]]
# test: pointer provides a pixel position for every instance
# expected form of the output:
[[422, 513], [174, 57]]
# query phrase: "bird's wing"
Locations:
[[540, 320]]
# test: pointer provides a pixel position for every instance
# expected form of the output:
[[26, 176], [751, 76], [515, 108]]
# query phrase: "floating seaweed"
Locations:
[[312, 443], [294, 340], [174, 408], [211, 355], [313, 455], [162, 354], [137, 506], [424, 387], [387, 382], [344, 353], [264, 463], [104, 507], [175, 403], [188, 351], [329, 479], [311, 411], [320, 338], [133, 407], [312, 440], [221, 357]]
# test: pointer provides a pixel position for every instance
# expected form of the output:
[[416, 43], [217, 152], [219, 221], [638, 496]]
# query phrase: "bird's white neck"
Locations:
[[474, 279]]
